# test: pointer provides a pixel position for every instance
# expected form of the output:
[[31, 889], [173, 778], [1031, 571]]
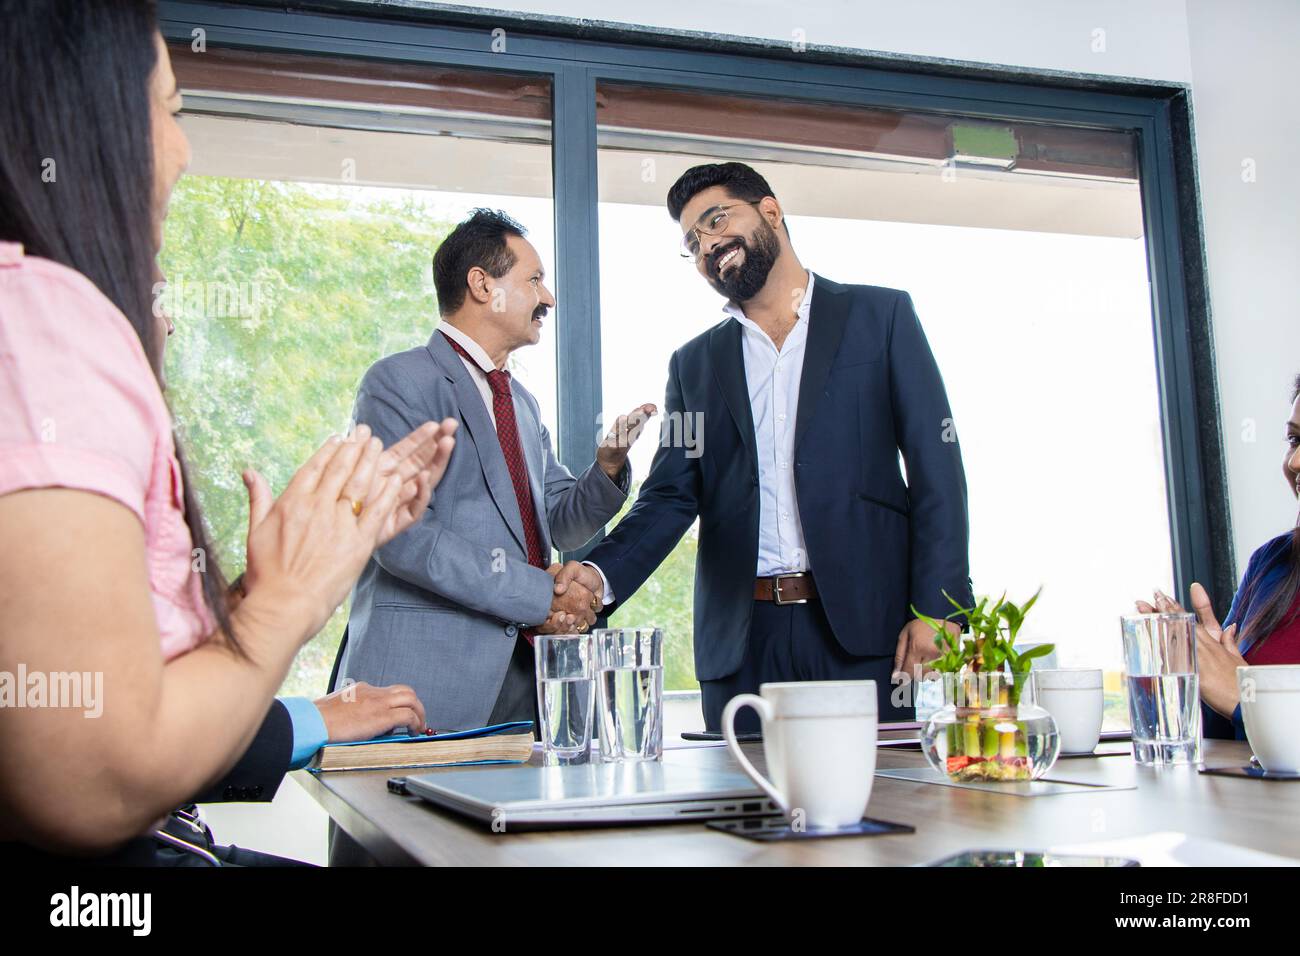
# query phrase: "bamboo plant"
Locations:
[[986, 742]]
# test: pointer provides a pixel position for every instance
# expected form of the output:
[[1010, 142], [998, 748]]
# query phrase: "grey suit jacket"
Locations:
[[441, 606]]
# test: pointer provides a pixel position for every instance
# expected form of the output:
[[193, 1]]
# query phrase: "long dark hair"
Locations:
[[1275, 611], [76, 169]]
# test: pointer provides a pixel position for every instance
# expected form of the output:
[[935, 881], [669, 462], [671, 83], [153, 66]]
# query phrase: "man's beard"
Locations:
[[741, 283]]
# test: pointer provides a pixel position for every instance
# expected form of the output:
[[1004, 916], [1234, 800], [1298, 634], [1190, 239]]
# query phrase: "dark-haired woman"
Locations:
[[108, 586], [1263, 624]]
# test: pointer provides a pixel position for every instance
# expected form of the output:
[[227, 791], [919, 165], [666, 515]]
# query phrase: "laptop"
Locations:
[[527, 797]]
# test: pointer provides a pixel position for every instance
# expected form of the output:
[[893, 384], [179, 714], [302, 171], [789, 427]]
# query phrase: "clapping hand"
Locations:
[[1217, 657], [419, 460], [307, 546]]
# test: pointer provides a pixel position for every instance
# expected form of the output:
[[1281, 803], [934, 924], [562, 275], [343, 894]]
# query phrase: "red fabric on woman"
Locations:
[[1283, 645]]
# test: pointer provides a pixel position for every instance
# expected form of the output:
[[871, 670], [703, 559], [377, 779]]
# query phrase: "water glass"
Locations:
[[630, 679], [566, 688], [1163, 688]]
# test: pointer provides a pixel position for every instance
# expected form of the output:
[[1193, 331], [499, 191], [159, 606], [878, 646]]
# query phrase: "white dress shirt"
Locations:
[[478, 368], [772, 376]]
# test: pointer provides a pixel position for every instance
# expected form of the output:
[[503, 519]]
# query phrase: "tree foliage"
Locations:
[[283, 294]]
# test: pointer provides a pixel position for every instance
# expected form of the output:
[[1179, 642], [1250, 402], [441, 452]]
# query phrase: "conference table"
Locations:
[[1259, 815]]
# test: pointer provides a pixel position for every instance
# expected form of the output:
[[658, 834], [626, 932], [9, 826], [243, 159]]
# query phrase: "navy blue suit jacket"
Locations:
[[257, 774], [876, 543]]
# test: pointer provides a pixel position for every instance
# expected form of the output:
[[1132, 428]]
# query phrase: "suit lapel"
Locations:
[[826, 321], [728, 360], [475, 419], [530, 432]]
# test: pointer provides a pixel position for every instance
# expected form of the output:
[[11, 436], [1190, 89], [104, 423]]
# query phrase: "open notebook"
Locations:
[[499, 743]]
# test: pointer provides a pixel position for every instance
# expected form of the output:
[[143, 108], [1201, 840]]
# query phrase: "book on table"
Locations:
[[498, 743]]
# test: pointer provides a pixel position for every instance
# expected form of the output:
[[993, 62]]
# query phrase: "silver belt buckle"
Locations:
[[776, 590]]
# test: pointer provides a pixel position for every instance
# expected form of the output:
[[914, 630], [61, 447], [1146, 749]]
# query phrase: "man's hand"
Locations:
[[612, 453], [1217, 657], [579, 603], [916, 647], [585, 575], [559, 623], [574, 605], [360, 711]]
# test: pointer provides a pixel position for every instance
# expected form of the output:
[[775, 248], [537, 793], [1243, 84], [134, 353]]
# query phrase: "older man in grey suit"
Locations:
[[451, 606]]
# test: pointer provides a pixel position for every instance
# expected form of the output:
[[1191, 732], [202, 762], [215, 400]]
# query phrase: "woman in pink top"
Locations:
[[131, 676]]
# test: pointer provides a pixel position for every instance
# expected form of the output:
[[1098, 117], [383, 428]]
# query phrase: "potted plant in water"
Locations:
[[986, 731]]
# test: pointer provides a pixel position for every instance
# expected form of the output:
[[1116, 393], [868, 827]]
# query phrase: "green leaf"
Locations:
[[936, 626], [1026, 662], [1030, 603]]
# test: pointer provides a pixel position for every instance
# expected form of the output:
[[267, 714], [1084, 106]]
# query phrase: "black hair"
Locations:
[[479, 241], [76, 170], [740, 181], [1275, 612]]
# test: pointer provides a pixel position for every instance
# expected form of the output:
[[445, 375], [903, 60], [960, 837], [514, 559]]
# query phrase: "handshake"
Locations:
[[579, 595]]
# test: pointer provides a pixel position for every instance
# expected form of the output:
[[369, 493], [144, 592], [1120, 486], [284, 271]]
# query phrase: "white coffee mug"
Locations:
[[1077, 702], [1270, 709], [819, 738]]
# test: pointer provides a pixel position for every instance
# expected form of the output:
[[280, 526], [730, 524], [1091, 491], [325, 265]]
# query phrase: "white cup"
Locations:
[[819, 738], [1270, 709], [1076, 700]]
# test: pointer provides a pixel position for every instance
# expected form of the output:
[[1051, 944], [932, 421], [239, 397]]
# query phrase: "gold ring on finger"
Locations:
[[357, 507]]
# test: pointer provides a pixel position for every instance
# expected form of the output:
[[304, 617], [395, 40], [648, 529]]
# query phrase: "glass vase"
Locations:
[[987, 731]]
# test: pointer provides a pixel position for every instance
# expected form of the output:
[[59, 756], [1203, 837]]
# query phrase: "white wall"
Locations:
[[1242, 56], [1146, 38], [1227, 50]]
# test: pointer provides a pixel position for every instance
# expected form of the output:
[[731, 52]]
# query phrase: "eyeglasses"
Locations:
[[712, 223]]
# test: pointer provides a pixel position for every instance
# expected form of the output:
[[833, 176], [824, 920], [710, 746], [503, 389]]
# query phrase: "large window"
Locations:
[[1046, 229], [1022, 246], [298, 252]]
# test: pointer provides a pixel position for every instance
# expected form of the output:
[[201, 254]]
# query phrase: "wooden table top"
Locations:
[[1258, 814]]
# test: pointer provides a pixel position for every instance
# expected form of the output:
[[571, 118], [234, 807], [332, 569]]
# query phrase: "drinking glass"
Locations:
[[1163, 688], [630, 679], [565, 690]]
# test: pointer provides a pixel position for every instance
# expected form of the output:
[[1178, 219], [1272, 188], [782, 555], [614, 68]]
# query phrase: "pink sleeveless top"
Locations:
[[80, 408]]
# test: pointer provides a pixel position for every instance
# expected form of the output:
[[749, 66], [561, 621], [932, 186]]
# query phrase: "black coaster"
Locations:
[[745, 738], [1252, 772], [773, 829], [1103, 749]]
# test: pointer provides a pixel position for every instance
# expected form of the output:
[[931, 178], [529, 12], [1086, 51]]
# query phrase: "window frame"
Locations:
[[576, 55]]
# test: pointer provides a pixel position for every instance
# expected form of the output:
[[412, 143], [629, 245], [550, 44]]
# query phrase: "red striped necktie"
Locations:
[[503, 409]]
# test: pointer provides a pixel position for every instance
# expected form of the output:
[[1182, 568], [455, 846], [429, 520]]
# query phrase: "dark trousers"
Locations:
[[794, 642], [517, 699]]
